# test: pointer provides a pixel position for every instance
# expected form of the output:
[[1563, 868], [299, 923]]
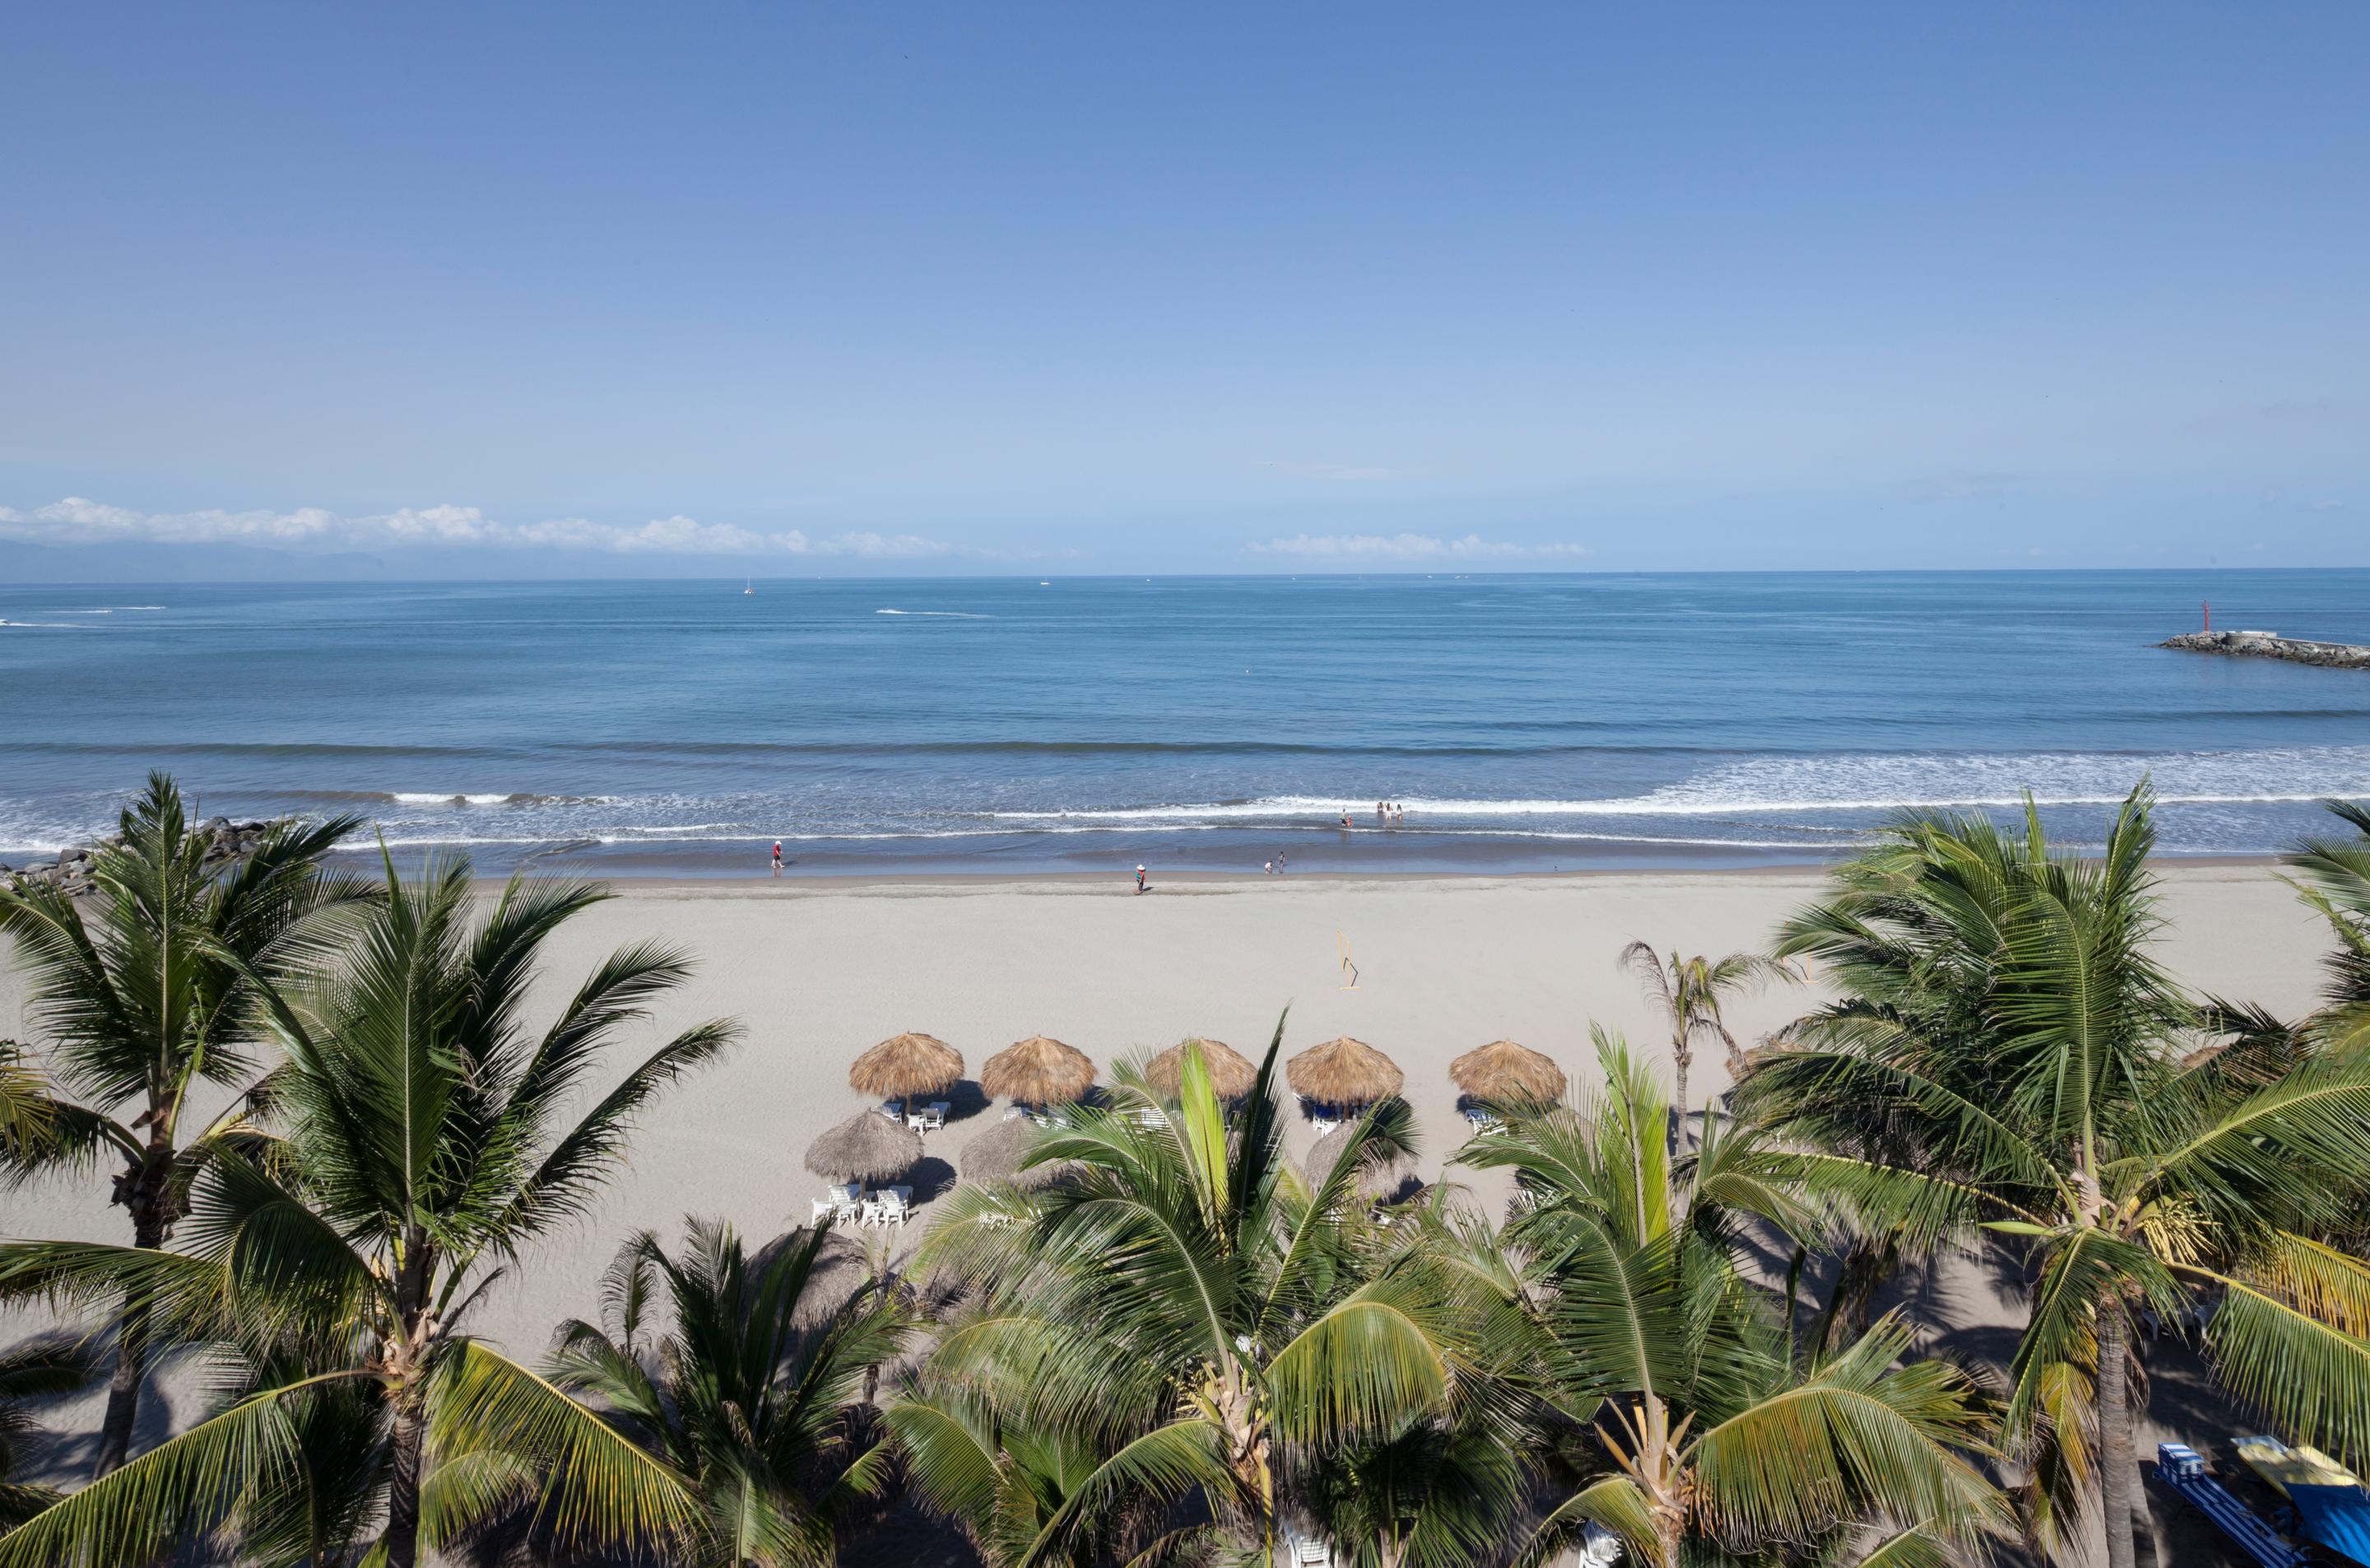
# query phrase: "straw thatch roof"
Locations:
[[1038, 1071], [1503, 1071], [995, 1155], [1344, 1073], [1231, 1074], [1393, 1182], [910, 1064], [867, 1147]]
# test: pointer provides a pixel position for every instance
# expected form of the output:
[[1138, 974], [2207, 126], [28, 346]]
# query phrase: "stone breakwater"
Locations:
[[226, 840], [2268, 644]]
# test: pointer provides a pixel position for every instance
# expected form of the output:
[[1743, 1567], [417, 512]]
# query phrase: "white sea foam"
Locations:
[[1876, 782], [938, 614], [510, 797]]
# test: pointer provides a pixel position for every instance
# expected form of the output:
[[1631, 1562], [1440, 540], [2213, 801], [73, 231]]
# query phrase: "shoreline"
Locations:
[[1121, 881]]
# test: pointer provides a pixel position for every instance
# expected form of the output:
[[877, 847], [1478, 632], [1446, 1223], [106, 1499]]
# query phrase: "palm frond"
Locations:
[[135, 1514], [600, 1489]]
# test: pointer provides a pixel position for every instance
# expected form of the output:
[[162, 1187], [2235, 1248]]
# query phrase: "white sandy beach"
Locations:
[[819, 971]]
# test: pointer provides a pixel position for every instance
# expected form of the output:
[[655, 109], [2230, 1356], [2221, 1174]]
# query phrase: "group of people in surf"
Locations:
[[1388, 814]]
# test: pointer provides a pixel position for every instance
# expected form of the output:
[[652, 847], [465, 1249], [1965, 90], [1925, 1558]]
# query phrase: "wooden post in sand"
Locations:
[[1349, 970]]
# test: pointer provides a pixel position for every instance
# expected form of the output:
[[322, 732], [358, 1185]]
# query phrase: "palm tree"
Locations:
[[2335, 880], [420, 1146], [1693, 1428], [44, 1368], [756, 1395], [1689, 991], [1178, 1319], [145, 990], [2009, 1054]]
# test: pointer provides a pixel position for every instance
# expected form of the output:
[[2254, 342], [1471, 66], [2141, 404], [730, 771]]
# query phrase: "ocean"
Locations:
[[1003, 725]]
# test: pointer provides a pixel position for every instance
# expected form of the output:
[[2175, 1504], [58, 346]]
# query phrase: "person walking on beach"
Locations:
[[1278, 863], [777, 857], [1139, 879]]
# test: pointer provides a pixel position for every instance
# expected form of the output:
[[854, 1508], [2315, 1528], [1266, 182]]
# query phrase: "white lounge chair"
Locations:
[[840, 1202], [1483, 1120], [931, 1117], [1320, 1124], [888, 1205]]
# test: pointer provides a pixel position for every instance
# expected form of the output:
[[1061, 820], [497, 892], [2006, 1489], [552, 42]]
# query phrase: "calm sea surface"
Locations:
[[1008, 725]]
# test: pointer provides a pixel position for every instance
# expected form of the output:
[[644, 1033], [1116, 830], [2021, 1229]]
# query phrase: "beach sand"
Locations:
[[821, 971]]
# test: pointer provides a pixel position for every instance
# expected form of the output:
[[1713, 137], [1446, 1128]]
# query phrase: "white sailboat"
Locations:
[[748, 586]]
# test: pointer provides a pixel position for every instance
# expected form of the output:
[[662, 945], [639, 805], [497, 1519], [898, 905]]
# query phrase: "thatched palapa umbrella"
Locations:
[[1392, 1182], [995, 1155], [1502, 1073], [1344, 1073], [905, 1066], [1230, 1074], [867, 1147], [1038, 1071]]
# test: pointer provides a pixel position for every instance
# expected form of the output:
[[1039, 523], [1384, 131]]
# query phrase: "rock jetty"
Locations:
[[70, 868], [2270, 645]]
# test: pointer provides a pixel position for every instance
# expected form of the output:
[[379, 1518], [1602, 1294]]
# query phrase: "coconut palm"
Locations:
[[1690, 992], [421, 1146], [144, 989], [754, 1392], [1181, 1320], [2334, 877], [2009, 1053], [45, 1368], [1693, 1430]]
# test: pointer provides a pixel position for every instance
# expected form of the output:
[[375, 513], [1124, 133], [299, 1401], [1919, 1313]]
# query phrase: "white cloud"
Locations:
[[1409, 547], [79, 521]]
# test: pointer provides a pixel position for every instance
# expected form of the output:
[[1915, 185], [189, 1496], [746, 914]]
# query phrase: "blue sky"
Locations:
[[782, 289]]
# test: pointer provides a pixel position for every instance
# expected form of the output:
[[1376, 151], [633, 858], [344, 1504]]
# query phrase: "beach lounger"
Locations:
[[1308, 1552], [2182, 1469], [840, 1202], [1321, 1124], [1483, 1121], [1599, 1548], [888, 1205], [931, 1117]]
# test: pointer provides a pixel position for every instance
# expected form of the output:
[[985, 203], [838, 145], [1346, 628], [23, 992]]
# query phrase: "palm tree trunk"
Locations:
[[123, 1389], [2118, 1468], [1680, 1058], [143, 1193], [408, 1436], [403, 1491]]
